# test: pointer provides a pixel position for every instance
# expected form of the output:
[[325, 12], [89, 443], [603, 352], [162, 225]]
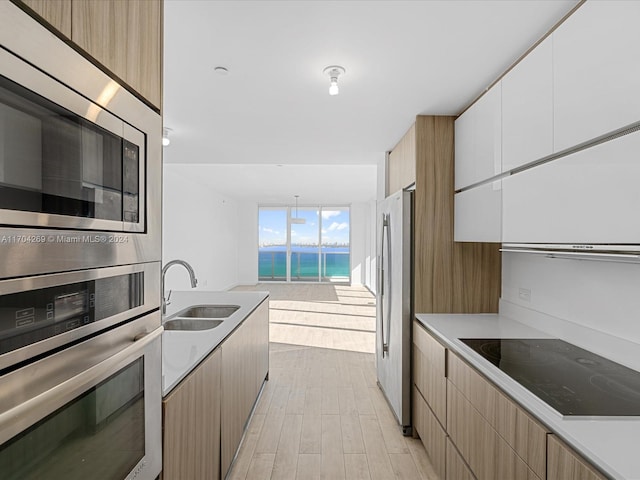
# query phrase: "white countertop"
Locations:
[[183, 350], [609, 443]]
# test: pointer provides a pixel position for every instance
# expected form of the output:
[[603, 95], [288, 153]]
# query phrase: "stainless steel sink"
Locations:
[[208, 311], [191, 324]]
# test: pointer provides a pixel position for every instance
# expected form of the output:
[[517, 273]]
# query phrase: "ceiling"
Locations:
[[272, 184], [402, 58]]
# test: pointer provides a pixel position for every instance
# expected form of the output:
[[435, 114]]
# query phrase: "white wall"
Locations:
[[201, 227], [603, 296], [247, 243], [359, 220]]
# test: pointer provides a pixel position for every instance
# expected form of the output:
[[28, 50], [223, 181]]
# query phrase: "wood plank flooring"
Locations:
[[321, 415]]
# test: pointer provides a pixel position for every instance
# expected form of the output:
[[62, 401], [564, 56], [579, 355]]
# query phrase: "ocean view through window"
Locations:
[[307, 244]]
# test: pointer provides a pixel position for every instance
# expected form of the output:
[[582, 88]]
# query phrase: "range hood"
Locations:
[[603, 252]]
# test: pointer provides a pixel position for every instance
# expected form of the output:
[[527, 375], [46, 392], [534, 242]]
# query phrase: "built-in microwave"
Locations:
[[80, 159], [65, 162]]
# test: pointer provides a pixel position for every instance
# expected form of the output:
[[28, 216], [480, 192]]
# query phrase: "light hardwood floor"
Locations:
[[321, 414]]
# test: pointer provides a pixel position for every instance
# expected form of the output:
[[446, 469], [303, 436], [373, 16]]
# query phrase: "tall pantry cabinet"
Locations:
[[449, 277]]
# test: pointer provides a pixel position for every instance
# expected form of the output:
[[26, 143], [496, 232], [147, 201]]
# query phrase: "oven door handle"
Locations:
[[30, 410]]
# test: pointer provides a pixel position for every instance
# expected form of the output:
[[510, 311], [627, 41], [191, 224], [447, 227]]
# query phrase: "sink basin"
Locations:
[[208, 311], [191, 324]]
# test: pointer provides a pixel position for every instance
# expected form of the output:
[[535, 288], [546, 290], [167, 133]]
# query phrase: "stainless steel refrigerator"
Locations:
[[394, 304]]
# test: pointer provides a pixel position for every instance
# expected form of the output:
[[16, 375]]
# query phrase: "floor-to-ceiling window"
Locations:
[[304, 244], [273, 241]]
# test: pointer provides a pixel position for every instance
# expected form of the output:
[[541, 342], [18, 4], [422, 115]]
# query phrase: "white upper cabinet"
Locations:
[[596, 71], [478, 140], [589, 197], [478, 214], [527, 108]]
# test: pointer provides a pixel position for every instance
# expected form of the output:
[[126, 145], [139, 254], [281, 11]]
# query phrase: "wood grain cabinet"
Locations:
[[430, 396], [57, 13], [564, 464], [501, 421], [457, 469], [126, 37], [123, 36], [191, 424], [429, 371], [401, 166], [245, 364]]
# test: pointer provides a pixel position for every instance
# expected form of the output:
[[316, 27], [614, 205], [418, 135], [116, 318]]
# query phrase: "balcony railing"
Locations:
[[304, 266]]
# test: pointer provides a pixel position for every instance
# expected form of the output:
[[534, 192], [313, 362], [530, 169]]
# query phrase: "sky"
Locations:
[[272, 224]]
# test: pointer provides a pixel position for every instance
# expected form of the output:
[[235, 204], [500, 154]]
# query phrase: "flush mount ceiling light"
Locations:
[[165, 137], [220, 70], [333, 72], [297, 219]]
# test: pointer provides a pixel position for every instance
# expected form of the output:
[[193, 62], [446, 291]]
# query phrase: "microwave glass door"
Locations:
[[98, 435], [68, 170]]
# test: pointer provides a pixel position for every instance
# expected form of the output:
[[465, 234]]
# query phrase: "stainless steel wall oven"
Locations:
[[80, 252]]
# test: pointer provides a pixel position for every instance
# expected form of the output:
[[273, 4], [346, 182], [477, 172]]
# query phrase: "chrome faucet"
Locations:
[[192, 276]]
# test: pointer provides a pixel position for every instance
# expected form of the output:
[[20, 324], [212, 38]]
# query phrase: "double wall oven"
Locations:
[[80, 252]]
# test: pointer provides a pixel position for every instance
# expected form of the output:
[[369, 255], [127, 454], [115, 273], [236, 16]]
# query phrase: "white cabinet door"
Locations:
[[596, 70], [527, 108], [589, 197], [478, 140], [478, 214]]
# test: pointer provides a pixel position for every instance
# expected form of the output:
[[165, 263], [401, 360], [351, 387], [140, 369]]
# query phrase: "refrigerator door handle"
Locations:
[[383, 317]]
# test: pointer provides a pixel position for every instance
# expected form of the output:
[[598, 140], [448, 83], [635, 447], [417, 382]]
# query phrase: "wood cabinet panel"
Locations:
[[245, 363], [401, 168], [144, 49], [431, 433], [238, 381], [100, 28], [456, 469], [126, 37], [191, 425], [564, 464], [486, 452], [429, 371], [517, 428], [477, 277], [261, 326], [57, 13], [433, 225]]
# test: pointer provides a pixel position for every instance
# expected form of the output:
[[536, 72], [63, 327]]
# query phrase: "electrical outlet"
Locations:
[[524, 294]]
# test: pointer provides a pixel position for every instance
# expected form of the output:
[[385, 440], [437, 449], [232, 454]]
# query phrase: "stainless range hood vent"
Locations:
[[597, 252]]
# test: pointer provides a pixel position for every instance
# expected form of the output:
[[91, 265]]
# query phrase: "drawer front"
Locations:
[[456, 468], [565, 464], [523, 433], [429, 363], [431, 434], [487, 453]]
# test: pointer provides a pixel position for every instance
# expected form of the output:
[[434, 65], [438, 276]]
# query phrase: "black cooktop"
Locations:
[[570, 379]]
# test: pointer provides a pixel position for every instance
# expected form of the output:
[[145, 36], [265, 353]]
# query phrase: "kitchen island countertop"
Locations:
[[182, 351], [610, 443]]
